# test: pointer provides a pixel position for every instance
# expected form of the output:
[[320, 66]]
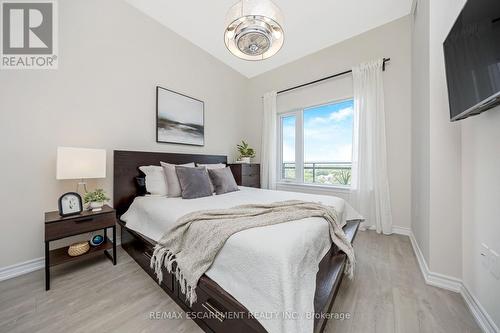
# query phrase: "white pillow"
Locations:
[[212, 166], [173, 185], [155, 179]]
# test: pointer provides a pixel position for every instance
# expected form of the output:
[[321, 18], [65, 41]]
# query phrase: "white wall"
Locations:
[[481, 208], [103, 95], [390, 40], [436, 156], [467, 161], [420, 146], [445, 156]]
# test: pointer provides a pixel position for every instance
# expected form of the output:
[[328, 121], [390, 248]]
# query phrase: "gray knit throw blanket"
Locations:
[[195, 240]]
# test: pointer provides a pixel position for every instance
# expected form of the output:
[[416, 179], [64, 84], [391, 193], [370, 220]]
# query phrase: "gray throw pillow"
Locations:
[[223, 180], [195, 182]]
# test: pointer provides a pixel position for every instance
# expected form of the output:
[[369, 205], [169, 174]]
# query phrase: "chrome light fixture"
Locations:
[[254, 29]]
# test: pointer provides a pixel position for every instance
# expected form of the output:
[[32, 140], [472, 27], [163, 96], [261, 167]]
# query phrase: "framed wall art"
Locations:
[[179, 118]]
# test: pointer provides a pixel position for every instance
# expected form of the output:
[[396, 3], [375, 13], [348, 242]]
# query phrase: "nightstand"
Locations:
[[246, 174], [57, 227]]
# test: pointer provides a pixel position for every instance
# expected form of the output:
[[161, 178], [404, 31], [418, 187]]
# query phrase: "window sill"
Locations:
[[318, 187]]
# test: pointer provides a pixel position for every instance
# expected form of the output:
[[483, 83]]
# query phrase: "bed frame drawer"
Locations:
[[217, 316]]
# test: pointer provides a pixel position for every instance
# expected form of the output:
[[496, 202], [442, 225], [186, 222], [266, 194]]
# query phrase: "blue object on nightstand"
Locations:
[[97, 240]]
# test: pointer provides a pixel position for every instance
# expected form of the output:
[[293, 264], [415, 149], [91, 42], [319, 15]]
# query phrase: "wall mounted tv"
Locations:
[[472, 57]]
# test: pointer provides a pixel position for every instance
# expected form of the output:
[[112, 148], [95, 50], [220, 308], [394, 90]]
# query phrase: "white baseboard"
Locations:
[[482, 317], [450, 283], [29, 266], [26, 267], [432, 278]]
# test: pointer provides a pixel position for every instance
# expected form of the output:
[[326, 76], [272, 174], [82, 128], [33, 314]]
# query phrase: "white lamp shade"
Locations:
[[80, 163], [244, 8]]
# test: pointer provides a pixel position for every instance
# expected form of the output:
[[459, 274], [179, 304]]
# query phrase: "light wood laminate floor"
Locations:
[[388, 294]]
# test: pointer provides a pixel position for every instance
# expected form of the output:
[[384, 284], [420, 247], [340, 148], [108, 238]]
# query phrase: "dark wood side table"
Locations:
[[57, 227], [246, 174]]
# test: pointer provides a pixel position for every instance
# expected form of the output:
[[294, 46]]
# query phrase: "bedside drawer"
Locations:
[[78, 225], [250, 170], [251, 181]]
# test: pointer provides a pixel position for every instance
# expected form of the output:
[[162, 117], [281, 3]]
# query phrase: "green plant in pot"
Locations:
[[246, 152], [95, 199]]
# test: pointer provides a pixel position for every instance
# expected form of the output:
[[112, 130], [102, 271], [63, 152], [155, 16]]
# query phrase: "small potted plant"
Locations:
[[95, 199], [246, 152]]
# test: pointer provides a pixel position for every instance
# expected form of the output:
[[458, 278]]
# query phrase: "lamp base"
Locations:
[[81, 184]]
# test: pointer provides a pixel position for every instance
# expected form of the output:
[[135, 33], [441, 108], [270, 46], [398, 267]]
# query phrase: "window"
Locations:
[[316, 144]]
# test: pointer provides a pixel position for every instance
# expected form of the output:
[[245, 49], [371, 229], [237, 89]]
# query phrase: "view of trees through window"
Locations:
[[326, 146]]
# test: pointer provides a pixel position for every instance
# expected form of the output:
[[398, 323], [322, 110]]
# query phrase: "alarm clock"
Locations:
[[70, 204]]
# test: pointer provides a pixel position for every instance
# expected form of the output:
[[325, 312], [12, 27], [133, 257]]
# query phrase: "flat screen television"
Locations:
[[472, 57]]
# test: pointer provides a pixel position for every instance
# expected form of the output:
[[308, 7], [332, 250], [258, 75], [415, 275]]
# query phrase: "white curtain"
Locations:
[[269, 142], [370, 184]]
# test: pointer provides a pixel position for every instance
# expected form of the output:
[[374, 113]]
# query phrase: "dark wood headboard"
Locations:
[[125, 170]]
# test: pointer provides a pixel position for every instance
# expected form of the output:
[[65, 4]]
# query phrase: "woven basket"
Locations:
[[78, 249]]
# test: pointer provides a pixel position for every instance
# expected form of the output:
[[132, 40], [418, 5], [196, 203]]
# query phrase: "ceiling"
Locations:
[[309, 25]]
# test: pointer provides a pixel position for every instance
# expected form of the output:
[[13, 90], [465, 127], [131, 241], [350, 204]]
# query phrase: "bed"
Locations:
[[215, 291]]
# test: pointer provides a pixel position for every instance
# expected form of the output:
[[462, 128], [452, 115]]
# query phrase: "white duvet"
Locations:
[[270, 270]]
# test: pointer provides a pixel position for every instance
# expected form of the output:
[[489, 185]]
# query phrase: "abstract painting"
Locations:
[[179, 118]]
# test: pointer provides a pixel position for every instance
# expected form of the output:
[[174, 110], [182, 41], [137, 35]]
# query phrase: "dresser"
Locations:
[[246, 174]]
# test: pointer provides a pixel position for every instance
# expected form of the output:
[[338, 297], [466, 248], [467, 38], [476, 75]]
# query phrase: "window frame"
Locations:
[[299, 147]]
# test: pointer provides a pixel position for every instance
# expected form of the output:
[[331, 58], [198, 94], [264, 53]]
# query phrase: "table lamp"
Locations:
[[81, 164]]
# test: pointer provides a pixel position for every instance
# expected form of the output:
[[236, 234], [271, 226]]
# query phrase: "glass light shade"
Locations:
[[80, 163], [254, 29]]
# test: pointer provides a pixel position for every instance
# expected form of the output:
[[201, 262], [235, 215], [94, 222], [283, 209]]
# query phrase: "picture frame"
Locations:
[[70, 204], [180, 119]]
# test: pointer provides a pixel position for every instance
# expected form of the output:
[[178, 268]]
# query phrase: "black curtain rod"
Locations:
[[327, 78]]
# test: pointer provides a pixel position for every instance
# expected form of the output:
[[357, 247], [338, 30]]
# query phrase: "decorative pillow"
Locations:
[[173, 186], [155, 179], [212, 166], [223, 180], [195, 182]]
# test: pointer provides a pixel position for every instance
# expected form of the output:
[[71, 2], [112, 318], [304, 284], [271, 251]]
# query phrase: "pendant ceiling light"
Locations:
[[254, 29]]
